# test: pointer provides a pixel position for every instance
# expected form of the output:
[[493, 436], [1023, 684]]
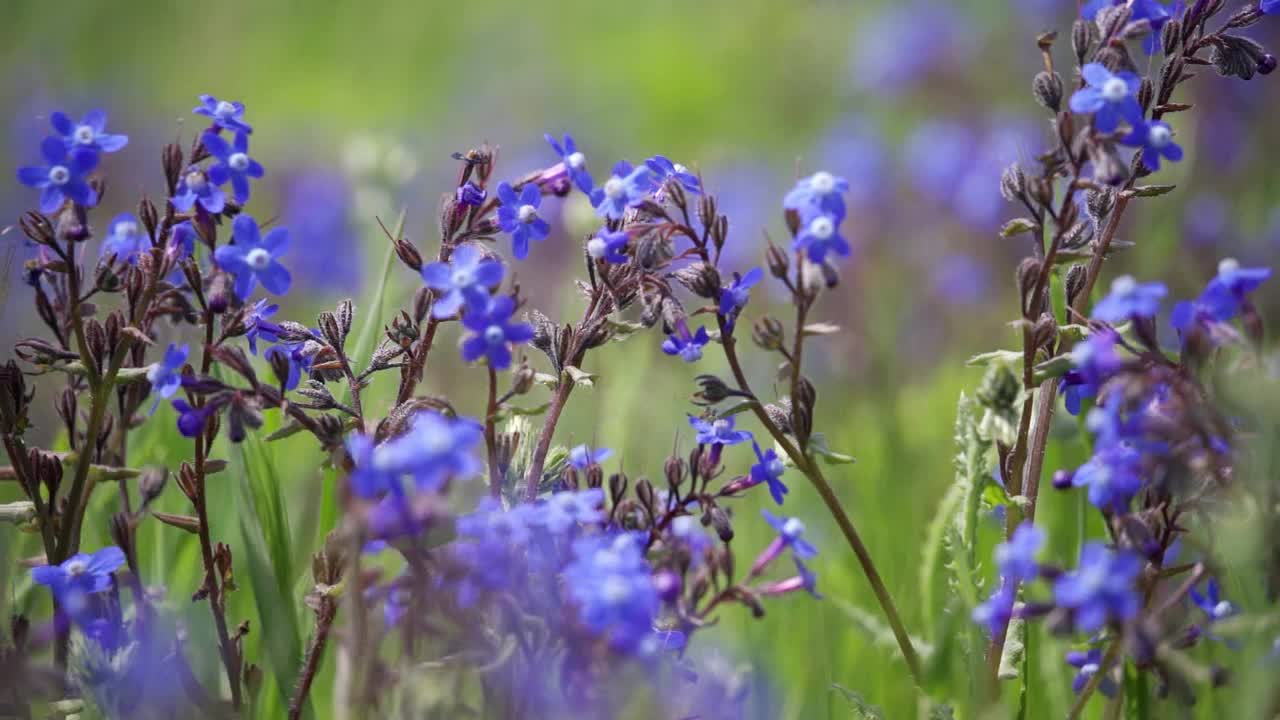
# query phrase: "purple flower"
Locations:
[[471, 194], [233, 163], [1157, 14], [1156, 141], [252, 258], [1016, 559], [819, 194], [820, 237], [1090, 10], [80, 576], [790, 535], [1109, 96], [803, 580], [769, 470], [1101, 587], [1211, 602], [995, 612], [1113, 475], [125, 239], [608, 246], [258, 327], [195, 185], [626, 187], [192, 420], [63, 178], [494, 331], [575, 162], [166, 376], [1089, 664], [718, 432], [1096, 360], [1130, 299], [226, 115], [296, 359], [665, 170], [734, 297], [1270, 7], [583, 457], [519, 217], [609, 580], [566, 510], [89, 134], [687, 346], [467, 278]]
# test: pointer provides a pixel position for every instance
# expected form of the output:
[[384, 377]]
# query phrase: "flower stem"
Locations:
[[491, 437], [315, 653]]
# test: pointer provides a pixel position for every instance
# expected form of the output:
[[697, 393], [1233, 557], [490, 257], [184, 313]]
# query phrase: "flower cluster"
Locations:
[[70, 155]]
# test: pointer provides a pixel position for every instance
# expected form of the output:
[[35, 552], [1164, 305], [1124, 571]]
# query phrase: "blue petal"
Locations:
[[216, 146], [244, 230], [53, 150], [275, 278], [96, 119], [437, 276], [531, 195], [448, 305], [61, 123], [34, 177]]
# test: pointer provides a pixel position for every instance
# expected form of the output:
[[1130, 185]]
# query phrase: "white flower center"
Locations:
[[1124, 285], [1089, 669], [258, 258], [462, 278], [224, 109], [682, 525], [576, 160], [616, 590], [776, 467], [720, 426], [494, 335], [1159, 136], [437, 442], [679, 168], [126, 228], [822, 228], [195, 180], [1223, 609], [822, 182], [239, 162], [793, 528], [75, 567], [615, 189], [1228, 266], [84, 135], [527, 213], [596, 247], [1115, 90], [59, 175]]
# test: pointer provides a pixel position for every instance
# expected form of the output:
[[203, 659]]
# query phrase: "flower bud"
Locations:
[[1047, 90], [768, 333], [779, 262]]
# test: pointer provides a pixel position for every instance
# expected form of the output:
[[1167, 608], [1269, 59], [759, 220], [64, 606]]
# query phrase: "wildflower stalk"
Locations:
[[315, 654], [491, 436]]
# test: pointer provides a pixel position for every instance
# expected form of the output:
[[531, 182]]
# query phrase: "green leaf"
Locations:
[[1014, 650], [878, 631], [579, 376], [1004, 357], [620, 330], [528, 412], [1150, 190], [818, 447], [1018, 226], [862, 710]]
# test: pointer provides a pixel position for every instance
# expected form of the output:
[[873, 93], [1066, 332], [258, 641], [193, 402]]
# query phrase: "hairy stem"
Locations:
[[491, 436], [315, 654]]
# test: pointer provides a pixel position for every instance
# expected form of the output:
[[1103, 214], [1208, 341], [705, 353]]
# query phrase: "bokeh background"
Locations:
[[920, 103]]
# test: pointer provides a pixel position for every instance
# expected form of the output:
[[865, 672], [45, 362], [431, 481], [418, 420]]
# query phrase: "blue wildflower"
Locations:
[[1130, 299], [78, 577], [583, 457], [125, 239], [1211, 602], [608, 246], [1016, 559], [63, 178], [1111, 97], [519, 217], [685, 344], [1090, 9], [565, 510], [1101, 587], [192, 420], [575, 163], [820, 237], [494, 332], [233, 162], [468, 277], [769, 470], [258, 327], [995, 612], [197, 186], [295, 358], [626, 187], [1113, 476], [252, 258], [1095, 360], [471, 194], [225, 115], [1157, 14], [434, 449], [1087, 665], [1156, 141], [804, 579], [734, 297], [790, 536], [819, 194], [1270, 7], [665, 170], [166, 376], [718, 432], [609, 580], [89, 134], [1222, 299]]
